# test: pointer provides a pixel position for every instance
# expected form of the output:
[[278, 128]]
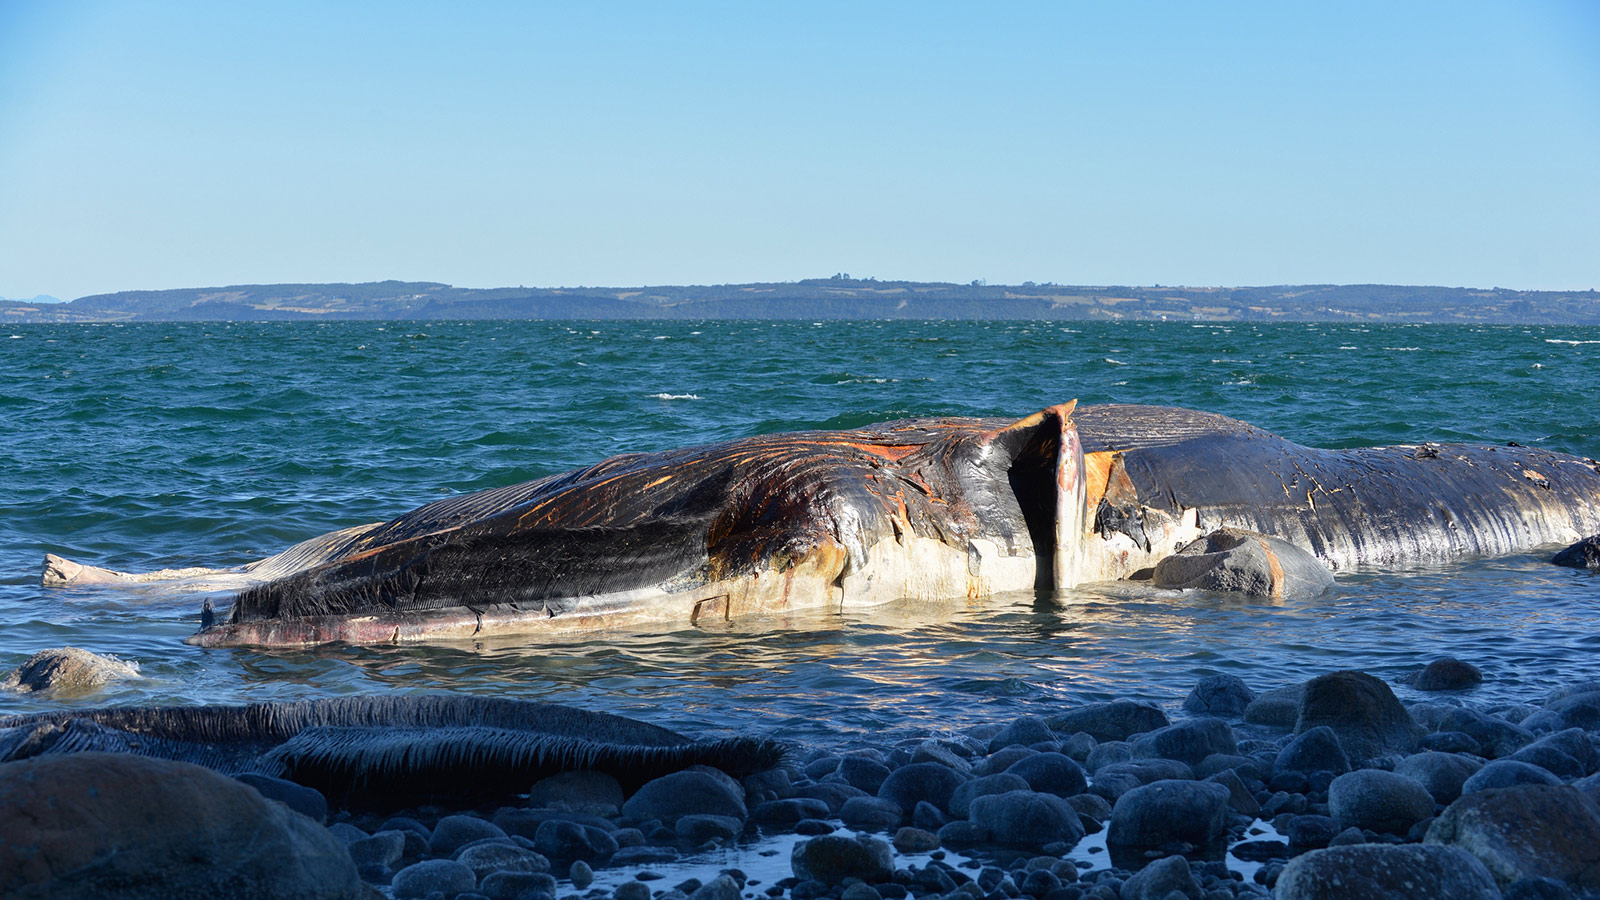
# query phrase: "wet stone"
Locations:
[[863, 774], [1169, 811], [385, 848], [580, 874], [1450, 742], [813, 827], [1113, 721], [909, 784], [1382, 801], [1584, 554], [1504, 773], [1317, 750], [915, 840], [1385, 872], [961, 799], [577, 790], [788, 812], [443, 875], [831, 859], [1225, 696], [1189, 741], [1025, 731], [1026, 818], [632, 890], [516, 885], [1365, 714], [1495, 736], [1528, 831], [1279, 708], [1051, 773], [697, 829], [871, 814], [1447, 674], [688, 792], [454, 832]]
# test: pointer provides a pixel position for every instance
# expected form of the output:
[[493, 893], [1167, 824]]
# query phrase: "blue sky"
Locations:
[[169, 144]]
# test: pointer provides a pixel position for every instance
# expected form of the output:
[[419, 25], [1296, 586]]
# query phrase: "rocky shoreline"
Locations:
[[1327, 789]]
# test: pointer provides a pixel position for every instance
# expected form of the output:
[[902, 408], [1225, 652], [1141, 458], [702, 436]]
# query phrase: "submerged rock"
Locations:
[[1447, 674], [1585, 554], [1238, 561], [1113, 721], [67, 670], [101, 825], [679, 794], [1386, 872]]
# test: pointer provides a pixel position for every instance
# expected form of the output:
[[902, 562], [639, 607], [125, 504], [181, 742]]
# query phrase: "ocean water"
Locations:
[[146, 446]]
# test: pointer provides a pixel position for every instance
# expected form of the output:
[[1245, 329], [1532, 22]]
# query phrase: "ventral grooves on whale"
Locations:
[[925, 509]]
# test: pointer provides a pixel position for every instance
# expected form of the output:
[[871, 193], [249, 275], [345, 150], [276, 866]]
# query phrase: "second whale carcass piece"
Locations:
[[924, 509]]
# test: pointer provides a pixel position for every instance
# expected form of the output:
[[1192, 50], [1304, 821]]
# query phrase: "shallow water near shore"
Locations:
[[212, 444]]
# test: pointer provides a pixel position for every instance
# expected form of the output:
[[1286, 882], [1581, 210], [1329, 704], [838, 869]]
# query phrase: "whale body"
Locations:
[[925, 509]]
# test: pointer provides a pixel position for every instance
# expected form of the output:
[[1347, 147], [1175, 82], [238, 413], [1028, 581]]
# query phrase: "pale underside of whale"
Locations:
[[927, 509]]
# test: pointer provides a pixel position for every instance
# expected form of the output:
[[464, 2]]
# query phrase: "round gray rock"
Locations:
[[1219, 695], [910, 784], [1381, 801], [685, 793], [1154, 814], [1503, 773], [1362, 711], [1115, 720], [1027, 818], [1442, 774]]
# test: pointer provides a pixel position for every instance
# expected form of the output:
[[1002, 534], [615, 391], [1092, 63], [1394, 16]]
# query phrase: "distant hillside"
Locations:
[[839, 297]]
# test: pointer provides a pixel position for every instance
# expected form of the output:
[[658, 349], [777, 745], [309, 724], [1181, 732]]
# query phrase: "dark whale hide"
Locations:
[[389, 751], [926, 509]]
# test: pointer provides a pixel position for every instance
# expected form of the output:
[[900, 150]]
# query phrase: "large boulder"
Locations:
[[107, 825], [1163, 812], [1245, 562], [1386, 872], [1362, 711], [1585, 554], [1112, 721], [1529, 831], [67, 671]]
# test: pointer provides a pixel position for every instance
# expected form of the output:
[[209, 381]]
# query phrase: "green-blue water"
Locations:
[[145, 446]]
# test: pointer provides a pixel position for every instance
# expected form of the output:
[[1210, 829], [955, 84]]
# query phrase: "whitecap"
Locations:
[[1348, 347], [1546, 340], [677, 397], [1114, 362], [1402, 348], [659, 337]]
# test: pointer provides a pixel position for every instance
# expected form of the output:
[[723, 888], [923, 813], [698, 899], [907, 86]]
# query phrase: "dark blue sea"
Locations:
[[146, 446]]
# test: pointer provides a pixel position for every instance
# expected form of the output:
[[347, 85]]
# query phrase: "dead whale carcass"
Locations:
[[923, 509]]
